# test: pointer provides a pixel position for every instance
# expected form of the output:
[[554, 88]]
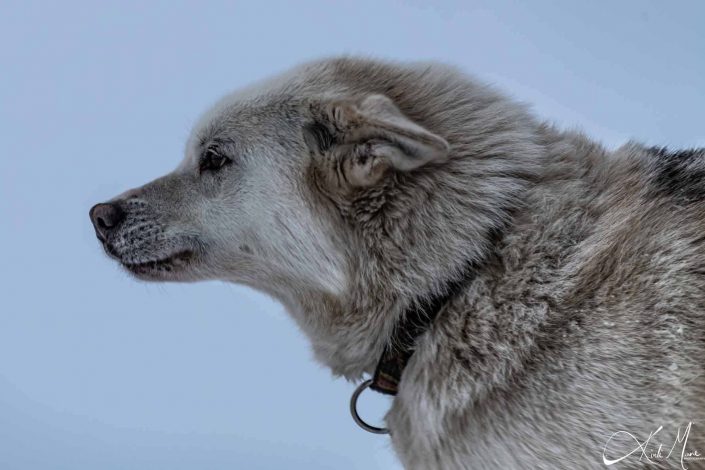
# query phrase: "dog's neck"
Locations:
[[418, 231], [408, 253]]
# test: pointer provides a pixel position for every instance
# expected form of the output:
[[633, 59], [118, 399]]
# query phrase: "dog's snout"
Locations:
[[105, 217]]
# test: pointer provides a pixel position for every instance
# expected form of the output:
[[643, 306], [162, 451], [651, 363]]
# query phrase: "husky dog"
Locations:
[[353, 190]]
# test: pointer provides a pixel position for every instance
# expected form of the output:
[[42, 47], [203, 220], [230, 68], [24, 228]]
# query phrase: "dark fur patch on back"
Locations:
[[680, 174]]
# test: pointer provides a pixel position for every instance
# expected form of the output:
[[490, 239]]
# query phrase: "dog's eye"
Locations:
[[212, 161]]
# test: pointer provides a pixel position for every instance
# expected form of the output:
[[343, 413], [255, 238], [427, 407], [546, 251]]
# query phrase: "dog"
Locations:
[[532, 299]]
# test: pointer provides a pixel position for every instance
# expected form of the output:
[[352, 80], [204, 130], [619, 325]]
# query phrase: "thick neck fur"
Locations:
[[417, 231]]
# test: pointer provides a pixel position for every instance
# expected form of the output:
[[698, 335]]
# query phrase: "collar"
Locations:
[[416, 321]]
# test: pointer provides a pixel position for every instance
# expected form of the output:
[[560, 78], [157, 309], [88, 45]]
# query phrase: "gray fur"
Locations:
[[358, 187]]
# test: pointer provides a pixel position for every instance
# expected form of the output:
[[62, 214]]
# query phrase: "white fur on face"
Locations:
[[259, 225], [272, 219]]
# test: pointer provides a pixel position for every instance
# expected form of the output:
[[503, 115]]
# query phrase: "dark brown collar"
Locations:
[[416, 321]]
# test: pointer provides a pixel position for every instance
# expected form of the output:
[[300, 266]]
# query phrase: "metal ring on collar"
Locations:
[[353, 410]]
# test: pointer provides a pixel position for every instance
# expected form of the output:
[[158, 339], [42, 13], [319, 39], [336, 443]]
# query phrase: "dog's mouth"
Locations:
[[160, 267]]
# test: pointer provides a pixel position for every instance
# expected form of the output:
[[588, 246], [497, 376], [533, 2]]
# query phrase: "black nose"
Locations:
[[105, 217]]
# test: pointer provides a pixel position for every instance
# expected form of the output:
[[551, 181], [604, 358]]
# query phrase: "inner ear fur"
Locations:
[[372, 135]]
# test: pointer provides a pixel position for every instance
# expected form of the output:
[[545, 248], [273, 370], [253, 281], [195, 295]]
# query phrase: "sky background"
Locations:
[[99, 371]]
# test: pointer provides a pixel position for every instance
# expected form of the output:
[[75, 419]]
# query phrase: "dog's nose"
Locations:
[[105, 217]]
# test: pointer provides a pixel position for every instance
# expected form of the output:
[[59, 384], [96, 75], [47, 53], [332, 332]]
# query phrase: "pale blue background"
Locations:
[[98, 371]]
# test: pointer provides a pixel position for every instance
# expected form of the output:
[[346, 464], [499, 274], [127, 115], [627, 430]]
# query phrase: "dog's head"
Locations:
[[261, 193]]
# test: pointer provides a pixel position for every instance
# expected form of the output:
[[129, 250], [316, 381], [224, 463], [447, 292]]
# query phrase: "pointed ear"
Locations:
[[405, 144], [372, 136]]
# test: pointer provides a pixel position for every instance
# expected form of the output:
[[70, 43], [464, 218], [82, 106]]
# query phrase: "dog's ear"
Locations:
[[371, 136]]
